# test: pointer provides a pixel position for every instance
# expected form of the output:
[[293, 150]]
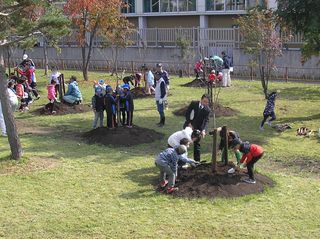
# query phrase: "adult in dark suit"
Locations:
[[197, 117]]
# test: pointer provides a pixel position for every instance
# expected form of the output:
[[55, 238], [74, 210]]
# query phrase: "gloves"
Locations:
[[243, 165], [160, 101]]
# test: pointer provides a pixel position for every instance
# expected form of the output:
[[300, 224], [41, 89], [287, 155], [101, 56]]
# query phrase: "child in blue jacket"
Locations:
[[269, 110], [167, 162]]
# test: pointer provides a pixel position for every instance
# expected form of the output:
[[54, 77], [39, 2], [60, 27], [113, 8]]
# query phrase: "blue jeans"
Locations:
[[98, 115], [160, 108]]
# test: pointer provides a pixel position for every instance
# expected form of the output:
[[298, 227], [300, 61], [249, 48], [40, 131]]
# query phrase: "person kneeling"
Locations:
[[167, 162]]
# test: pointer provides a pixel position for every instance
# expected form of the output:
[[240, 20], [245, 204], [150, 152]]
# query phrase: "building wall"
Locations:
[[173, 21], [134, 21], [221, 21]]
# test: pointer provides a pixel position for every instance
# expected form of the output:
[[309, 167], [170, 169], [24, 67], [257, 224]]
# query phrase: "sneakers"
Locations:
[[163, 183], [249, 180], [269, 123], [53, 112], [172, 189], [261, 128]]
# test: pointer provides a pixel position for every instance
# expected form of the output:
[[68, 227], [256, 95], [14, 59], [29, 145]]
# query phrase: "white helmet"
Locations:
[[24, 57]]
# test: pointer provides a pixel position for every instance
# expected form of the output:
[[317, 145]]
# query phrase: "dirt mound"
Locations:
[[196, 83], [201, 182], [122, 136], [139, 92], [63, 109], [220, 111]]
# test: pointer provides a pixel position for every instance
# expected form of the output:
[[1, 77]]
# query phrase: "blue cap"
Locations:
[[109, 88], [98, 90], [126, 86], [101, 82]]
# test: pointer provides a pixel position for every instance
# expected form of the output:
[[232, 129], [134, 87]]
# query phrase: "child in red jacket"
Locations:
[[251, 154]]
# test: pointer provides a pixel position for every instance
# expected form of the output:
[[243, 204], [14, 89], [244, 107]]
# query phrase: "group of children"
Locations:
[[118, 103]]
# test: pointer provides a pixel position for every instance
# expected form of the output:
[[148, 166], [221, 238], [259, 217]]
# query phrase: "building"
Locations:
[[188, 13]]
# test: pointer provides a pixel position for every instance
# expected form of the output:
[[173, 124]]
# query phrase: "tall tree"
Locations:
[[93, 18], [21, 20], [303, 16], [261, 40]]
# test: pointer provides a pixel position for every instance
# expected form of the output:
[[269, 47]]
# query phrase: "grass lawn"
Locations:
[[65, 188]]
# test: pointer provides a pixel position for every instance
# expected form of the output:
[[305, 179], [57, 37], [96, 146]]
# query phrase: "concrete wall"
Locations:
[[173, 21], [102, 58]]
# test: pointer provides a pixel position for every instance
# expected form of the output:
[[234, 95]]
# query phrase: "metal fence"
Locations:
[[170, 37]]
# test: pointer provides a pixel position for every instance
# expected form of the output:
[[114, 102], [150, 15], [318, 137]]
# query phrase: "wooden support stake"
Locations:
[[225, 147], [286, 74], [214, 150]]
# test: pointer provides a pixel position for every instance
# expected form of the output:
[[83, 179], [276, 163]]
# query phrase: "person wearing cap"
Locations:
[[29, 72], [251, 154], [98, 107], [197, 117], [160, 97], [128, 79], [212, 77], [111, 108], [128, 104], [198, 68], [73, 95], [100, 84], [167, 162]]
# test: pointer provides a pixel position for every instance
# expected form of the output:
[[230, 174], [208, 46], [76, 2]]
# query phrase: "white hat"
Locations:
[[24, 57]]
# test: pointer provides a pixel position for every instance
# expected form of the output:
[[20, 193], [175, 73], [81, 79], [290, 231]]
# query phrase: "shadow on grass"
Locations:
[[301, 93], [304, 118]]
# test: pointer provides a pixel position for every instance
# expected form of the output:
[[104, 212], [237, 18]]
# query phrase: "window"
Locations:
[[228, 5], [169, 5], [130, 6], [233, 5]]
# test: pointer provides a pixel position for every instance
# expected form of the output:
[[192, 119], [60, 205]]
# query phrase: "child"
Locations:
[[167, 162], [55, 76], [212, 77], [137, 79], [98, 107], [129, 106], [110, 105], [269, 110], [21, 91], [149, 78], [100, 84], [251, 154], [232, 135], [51, 96], [198, 68]]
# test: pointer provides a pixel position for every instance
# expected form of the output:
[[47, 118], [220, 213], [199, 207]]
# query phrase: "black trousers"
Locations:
[[50, 106], [196, 150], [266, 116], [111, 120], [129, 117], [251, 164], [33, 85]]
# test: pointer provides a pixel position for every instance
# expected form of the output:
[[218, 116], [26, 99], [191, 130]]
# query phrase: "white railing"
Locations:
[[169, 37]]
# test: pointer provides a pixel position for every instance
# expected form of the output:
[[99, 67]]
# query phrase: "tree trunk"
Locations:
[[13, 137], [84, 68], [45, 53], [8, 59]]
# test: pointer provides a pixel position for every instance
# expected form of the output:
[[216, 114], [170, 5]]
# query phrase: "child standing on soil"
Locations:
[[251, 154], [167, 162], [232, 135], [269, 110], [110, 104], [129, 106], [98, 107], [51, 96]]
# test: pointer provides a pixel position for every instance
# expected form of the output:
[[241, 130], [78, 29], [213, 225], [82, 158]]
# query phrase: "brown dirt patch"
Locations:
[[201, 182], [139, 92], [28, 166], [220, 111], [303, 164], [122, 136], [196, 83], [64, 109]]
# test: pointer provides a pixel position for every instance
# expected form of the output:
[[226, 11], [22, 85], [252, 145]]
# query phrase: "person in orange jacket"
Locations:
[[251, 153]]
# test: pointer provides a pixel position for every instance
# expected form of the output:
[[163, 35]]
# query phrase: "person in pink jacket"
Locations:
[[51, 96]]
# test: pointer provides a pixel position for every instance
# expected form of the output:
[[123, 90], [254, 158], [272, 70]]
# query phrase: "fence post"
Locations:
[[251, 73], [156, 37], [286, 74]]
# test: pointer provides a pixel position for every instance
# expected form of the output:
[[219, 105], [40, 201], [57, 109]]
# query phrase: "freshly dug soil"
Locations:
[[220, 111], [196, 83], [122, 136], [139, 92], [64, 109], [201, 182]]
